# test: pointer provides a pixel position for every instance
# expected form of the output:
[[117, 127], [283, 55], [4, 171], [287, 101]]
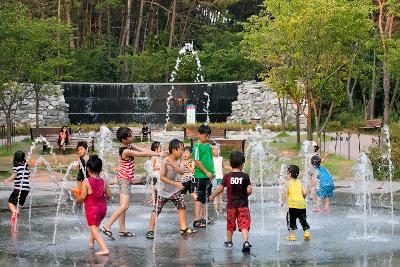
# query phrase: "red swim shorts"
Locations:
[[241, 215]]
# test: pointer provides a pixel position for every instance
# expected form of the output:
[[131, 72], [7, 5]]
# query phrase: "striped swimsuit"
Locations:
[[127, 167]]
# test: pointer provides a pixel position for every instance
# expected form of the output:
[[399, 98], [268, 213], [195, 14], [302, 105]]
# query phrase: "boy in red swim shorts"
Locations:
[[238, 187]]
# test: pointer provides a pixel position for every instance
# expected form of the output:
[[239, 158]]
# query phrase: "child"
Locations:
[[93, 195], [187, 178], [145, 132], [155, 164], [297, 204], [63, 138], [203, 173], [21, 184], [324, 181], [125, 177], [169, 188], [83, 158], [219, 165], [238, 188]]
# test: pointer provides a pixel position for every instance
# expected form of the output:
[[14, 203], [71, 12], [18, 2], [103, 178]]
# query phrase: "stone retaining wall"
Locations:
[[257, 103], [52, 110]]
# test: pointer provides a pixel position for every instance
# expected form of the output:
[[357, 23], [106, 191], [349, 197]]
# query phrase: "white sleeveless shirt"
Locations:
[[219, 174]]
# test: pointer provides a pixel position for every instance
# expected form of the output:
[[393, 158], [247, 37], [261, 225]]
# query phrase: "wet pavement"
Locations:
[[337, 239]]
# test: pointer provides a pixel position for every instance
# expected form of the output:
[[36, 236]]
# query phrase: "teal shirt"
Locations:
[[203, 153]]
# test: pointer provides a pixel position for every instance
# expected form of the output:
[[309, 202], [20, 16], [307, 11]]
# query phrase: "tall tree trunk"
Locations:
[[350, 91], [298, 112], [386, 91], [128, 22], [373, 90], [42, 13], [8, 129], [69, 22], [283, 103], [172, 28], [108, 21], [309, 112], [139, 26]]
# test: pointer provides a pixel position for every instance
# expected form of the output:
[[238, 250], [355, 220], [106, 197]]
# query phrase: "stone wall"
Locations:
[[257, 103], [52, 111]]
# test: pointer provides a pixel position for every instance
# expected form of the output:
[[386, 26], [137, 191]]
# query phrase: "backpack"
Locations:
[[325, 178]]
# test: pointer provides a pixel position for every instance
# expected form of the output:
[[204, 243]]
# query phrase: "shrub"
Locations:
[[379, 164], [334, 126]]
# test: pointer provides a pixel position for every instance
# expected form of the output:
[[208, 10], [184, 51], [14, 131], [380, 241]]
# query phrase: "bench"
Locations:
[[136, 132], [51, 134], [372, 124], [234, 144], [192, 132]]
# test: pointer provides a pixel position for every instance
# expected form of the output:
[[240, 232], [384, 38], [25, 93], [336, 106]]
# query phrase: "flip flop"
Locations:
[[126, 234], [107, 233]]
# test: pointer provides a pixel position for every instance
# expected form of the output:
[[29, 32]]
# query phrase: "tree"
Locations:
[[312, 40]]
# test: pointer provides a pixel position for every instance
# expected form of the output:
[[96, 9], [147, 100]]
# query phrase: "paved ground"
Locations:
[[338, 239]]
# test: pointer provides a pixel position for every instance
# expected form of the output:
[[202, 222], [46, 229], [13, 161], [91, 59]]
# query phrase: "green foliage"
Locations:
[[380, 165]]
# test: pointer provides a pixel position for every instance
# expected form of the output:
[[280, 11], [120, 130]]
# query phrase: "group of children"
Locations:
[[174, 174]]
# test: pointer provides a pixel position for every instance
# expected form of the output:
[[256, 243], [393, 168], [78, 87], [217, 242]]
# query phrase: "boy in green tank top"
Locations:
[[203, 173]]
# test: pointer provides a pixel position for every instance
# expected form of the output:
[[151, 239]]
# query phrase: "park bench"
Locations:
[[193, 133], [232, 144], [218, 135], [51, 134], [136, 132], [372, 124]]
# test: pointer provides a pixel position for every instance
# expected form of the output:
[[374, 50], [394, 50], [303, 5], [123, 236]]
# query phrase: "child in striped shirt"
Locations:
[[125, 176], [21, 184]]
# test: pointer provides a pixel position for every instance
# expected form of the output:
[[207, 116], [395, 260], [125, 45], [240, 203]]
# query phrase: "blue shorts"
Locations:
[[325, 191], [219, 181]]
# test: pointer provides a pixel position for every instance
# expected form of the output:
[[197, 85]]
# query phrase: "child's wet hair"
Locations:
[[204, 129], [236, 159], [316, 161], [155, 145], [293, 170], [174, 144], [123, 133], [82, 144], [95, 164], [188, 149], [19, 158]]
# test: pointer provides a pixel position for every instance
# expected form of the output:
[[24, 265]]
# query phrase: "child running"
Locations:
[[83, 158], [297, 204], [125, 177], [219, 166], [21, 184], [203, 173], [169, 188], [187, 178], [322, 180], [238, 188], [93, 195]]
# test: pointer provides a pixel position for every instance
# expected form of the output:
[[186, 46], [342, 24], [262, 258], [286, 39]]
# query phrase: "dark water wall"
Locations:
[[119, 102]]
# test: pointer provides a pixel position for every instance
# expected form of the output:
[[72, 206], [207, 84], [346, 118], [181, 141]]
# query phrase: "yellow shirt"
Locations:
[[295, 195]]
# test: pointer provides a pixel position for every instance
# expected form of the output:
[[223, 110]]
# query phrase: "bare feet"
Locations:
[[102, 252], [91, 244]]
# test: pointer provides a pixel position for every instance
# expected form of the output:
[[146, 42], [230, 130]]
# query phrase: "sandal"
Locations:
[[149, 235], [228, 244], [188, 231], [199, 224], [126, 234], [107, 233]]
